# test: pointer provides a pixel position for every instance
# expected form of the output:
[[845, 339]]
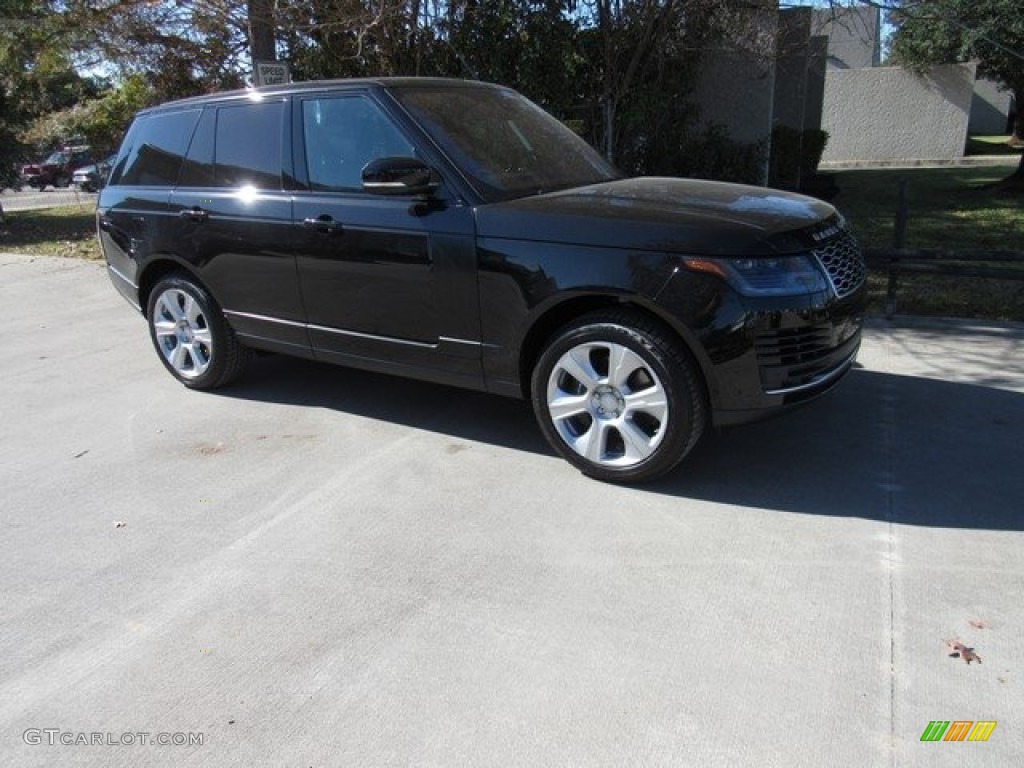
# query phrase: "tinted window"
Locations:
[[249, 146], [155, 148], [342, 135], [198, 168], [504, 143]]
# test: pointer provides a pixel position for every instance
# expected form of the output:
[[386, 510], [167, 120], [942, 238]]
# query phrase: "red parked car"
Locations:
[[57, 169]]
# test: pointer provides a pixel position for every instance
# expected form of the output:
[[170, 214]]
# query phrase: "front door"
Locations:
[[387, 283]]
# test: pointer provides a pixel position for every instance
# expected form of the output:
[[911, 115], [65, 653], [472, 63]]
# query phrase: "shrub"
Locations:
[[795, 155], [711, 153]]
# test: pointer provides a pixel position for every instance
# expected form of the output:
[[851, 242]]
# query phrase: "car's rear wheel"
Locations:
[[191, 336], [618, 396]]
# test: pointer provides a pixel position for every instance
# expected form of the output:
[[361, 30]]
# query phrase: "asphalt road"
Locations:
[[322, 567], [31, 199]]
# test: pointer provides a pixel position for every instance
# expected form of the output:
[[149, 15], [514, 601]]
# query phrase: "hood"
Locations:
[[701, 218]]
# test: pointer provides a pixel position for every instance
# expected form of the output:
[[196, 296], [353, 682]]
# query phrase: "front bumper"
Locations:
[[761, 356], [790, 356]]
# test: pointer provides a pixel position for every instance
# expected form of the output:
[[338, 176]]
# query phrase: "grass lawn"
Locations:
[[949, 208], [64, 231], [991, 145]]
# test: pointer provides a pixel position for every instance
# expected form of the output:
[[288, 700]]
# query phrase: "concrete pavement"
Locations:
[[323, 567]]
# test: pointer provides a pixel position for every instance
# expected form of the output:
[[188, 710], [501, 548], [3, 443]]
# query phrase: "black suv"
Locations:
[[454, 232]]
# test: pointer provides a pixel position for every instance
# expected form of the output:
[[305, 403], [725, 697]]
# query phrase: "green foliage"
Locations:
[[946, 31], [36, 76], [795, 155], [814, 142], [622, 70], [711, 153], [100, 121]]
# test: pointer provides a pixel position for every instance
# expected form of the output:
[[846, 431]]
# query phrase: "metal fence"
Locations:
[[894, 262]]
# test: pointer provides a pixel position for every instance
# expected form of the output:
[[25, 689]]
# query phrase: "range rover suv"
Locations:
[[454, 232]]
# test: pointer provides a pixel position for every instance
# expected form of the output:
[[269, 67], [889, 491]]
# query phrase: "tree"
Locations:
[[181, 48], [945, 31], [620, 71], [99, 121], [36, 76]]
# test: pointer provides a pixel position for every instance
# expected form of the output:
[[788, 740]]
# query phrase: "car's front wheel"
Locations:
[[190, 334], [618, 396]]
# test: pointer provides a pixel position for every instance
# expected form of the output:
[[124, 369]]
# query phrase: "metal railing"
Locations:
[[898, 260], [997, 265]]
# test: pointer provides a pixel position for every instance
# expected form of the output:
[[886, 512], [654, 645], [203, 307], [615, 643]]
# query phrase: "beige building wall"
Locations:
[[990, 109], [854, 36], [736, 90], [888, 114], [735, 84]]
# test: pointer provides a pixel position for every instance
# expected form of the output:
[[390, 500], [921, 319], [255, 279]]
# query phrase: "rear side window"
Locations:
[[248, 146], [154, 149]]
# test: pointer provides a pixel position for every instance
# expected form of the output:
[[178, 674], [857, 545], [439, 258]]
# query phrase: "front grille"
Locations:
[[788, 347], [843, 262], [791, 358]]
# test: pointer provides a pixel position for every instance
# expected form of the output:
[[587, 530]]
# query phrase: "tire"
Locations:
[[619, 397], [191, 336]]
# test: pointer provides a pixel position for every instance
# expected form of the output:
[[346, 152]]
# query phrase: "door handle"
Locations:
[[195, 213], [324, 223]]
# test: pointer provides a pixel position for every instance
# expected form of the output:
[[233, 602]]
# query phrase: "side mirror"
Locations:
[[398, 176]]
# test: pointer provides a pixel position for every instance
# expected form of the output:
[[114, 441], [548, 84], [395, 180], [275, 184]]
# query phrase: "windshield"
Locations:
[[57, 158], [506, 145]]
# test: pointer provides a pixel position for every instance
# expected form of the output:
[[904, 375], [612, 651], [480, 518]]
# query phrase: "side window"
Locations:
[[342, 135], [198, 168], [248, 146], [154, 149]]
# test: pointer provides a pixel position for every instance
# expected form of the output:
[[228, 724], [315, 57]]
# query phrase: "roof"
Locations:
[[320, 85]]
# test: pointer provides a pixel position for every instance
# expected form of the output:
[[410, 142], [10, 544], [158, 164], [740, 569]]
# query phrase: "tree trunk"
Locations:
[[1018, 118], [1018, 133], [261, 31]]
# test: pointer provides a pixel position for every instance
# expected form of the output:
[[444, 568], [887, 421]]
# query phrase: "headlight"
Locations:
[[783, 276]]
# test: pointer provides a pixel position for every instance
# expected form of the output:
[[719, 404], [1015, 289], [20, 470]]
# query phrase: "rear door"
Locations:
[[134, 220], [234, 220], [388, 282]]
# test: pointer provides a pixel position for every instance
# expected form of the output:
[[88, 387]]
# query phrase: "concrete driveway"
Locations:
[[322, 567]]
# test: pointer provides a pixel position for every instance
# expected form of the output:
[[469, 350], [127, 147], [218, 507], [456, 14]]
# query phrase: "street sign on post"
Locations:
[[271, 73]]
